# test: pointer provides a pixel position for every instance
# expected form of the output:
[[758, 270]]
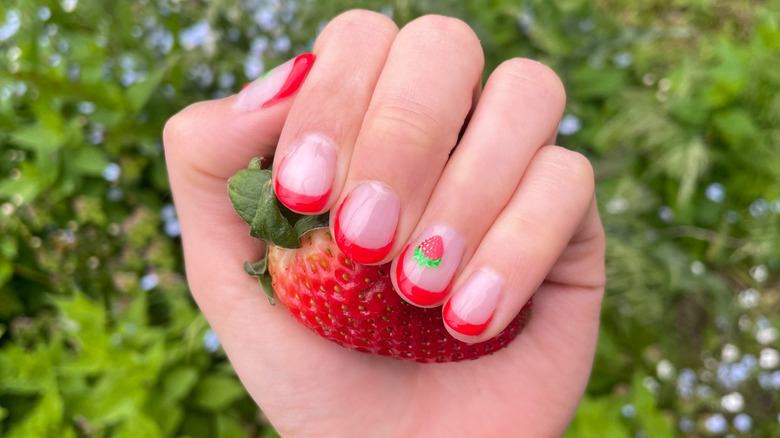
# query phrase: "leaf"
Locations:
[[88, 161], [307, 223], [140, 92], [26, 372], [259, 270], [244, 190], [589, 82], [598, 417], [26, 187], [647, 412], [216, 392], [138, 425], [44, 420], [179, 382], [38, 137], [269, 224], [229, 427], [735, 126]]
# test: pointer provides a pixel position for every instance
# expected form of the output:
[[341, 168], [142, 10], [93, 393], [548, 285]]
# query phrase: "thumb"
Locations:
[[205, 144], [216, 138]]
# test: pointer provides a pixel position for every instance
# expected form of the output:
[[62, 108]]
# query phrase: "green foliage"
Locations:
[[675, 103]]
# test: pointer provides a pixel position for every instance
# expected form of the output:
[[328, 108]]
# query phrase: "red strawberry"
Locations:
[[350, 304], [429, 252]]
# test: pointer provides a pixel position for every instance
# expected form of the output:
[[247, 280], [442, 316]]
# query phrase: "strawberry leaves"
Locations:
[[259, 270], [252, 193]]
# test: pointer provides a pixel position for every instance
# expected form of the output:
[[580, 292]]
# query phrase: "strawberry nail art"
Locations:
[[424, 270], [430, 252]]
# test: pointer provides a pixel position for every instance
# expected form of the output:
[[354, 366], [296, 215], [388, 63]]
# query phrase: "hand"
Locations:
[[373, 125]]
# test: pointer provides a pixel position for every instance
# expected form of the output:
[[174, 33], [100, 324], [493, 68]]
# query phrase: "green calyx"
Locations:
[[252, 193], [425, 262]]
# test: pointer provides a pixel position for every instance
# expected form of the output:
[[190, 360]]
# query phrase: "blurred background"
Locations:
[[675, 102]]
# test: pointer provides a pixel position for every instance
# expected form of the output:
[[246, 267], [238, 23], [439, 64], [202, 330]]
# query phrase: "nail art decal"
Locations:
[[471, 308], [366, 221], [274, 85], [429, 252], [305, 175], [424, 270]]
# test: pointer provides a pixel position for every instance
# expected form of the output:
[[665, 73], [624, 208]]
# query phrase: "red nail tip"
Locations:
[[300, 69], [357, 253], [414, 293], [245, 85], [300, 203], [461, 326]]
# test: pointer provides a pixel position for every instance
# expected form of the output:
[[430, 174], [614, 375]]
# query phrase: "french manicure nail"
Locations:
[[423, 272], [471, 308], [305, 176], [275, 85], [365, 222]]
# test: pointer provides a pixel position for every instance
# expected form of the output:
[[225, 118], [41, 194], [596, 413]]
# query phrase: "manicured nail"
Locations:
[[365, 222], [423, 272], [305, 176], [275, 85], [471, 308]]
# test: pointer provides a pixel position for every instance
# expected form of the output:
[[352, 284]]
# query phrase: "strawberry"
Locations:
[[351, 304], [429, 252]]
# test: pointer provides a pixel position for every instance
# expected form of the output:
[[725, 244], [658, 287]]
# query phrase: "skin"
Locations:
[[379, 93]]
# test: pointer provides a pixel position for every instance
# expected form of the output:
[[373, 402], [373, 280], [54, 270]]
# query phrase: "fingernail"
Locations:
[[423, 272], [471, 308], [305, 176], [365, 222], [275, 85]]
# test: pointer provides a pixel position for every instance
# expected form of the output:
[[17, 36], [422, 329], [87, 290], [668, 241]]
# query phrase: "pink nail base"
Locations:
[[355, 252]]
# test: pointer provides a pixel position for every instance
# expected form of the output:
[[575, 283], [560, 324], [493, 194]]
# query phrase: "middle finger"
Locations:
[[418, 107]]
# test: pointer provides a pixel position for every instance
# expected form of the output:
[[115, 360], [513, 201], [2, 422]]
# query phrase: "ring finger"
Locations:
[[518, 112], [420, 102]]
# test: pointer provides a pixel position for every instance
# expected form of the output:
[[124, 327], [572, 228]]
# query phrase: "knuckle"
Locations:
[[571, 167], [179, 127], [529, 77], [360, 23], [411, 123]]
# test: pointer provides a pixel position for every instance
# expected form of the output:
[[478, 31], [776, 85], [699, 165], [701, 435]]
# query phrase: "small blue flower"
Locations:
[[210, 341], [570, 124], [149, 281], [716, 424], [111, 172], [685, 425], [743, 422], [715, 192]]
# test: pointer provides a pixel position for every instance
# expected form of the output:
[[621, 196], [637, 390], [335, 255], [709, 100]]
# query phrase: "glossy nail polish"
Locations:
[[275, 85], [472, 306], [305, 175], [423, 272], [365, 222]]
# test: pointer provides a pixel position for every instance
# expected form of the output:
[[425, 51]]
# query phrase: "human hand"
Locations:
[[517, 218]]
